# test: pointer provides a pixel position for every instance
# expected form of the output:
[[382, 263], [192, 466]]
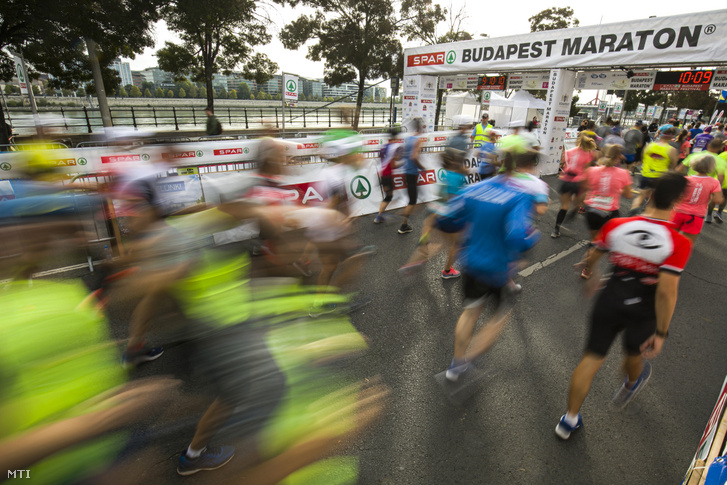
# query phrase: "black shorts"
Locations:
[[648, 183], [618, 310], [597, 218], [411, 188], [569, 188], [476, 291], [387, 184]]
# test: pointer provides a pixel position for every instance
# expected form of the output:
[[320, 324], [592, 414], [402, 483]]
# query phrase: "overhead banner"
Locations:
[[640, 81], [683, 80], [719, 80], [463, 81], [555, 119], [693, 38], [529, 80]]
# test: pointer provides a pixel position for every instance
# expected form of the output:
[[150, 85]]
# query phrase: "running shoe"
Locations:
[[564, 430], [586, 273], [450, 273], [405, 228], [318, 310], [581, 210], [303, 268], [455, 370], [513, 288], [555, 233], [718, 217], [708, 219], [379, 219], [624, 395], [211, 459], [131, 359], [411, 269]]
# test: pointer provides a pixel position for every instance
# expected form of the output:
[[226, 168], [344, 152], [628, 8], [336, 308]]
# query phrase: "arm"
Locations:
[[519, 235], [628, 191], [673, 158], [415, 154], [666, 299], [717, 197]]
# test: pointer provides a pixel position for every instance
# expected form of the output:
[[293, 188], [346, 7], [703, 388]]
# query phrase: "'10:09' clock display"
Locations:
[[683, 80]]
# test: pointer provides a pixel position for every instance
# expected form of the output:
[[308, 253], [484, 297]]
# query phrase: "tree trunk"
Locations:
[[208, 84], [359, 98], [98, 83], [4, 131]]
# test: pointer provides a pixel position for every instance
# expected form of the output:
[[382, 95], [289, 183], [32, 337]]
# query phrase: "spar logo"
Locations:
[[64, 162], [440, 138], [5, 166], [451, 57], [425, 178], [82, 161], [122, 158], [371, 142], [187, 154], [360, 187], [232, 151], [307, 146], [433, 59]]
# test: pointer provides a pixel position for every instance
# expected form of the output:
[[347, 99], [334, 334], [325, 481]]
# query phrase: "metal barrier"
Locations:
[[20, 147]]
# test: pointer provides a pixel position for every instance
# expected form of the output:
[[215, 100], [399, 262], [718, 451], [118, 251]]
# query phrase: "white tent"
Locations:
[[518, 109], [461, 104]]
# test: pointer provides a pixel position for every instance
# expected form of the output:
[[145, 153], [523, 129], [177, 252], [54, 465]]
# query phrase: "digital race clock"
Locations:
[[683, 80], [492, 83]]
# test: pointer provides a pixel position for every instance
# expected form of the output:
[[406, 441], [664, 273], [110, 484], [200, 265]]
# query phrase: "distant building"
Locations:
[[340, 90], [272, 87], [124, 71], [157, 76], [311, 87], [137, 78]]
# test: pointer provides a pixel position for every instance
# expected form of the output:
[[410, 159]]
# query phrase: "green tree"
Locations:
[[80, 92], [147, 85], [573, 108], [182, 93], [232, 94], [51, 91], [193, 91], [243, 92], [222, 94], [278, 97], [553, 19], [147, 93], [217, 36], [203, 92], [357, 39], [159, 93], [252, 96], [122, 92], [36, 89], [11, 89], [170, 94], [135, 92], [647, 98], [66, 92]]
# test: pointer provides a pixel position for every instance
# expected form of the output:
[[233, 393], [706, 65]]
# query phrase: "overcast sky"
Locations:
[[496, 19]]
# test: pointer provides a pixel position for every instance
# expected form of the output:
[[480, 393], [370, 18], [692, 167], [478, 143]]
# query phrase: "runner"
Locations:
[[390, 155], [659, 158], [702, 140], [493, 216], [633, 143], [573, 164], [639, 299], [715, 149], [702, 191], [412, 166], [604, 186]]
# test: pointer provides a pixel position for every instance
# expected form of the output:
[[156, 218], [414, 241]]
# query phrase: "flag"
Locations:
[[723, 97]]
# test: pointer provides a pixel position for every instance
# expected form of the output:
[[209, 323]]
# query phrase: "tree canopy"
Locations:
[[357, 39], [216, 36], [553, 19]]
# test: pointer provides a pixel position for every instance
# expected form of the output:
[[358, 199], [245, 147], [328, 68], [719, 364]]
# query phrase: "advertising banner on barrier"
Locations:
[[555, 119], [697, 37]]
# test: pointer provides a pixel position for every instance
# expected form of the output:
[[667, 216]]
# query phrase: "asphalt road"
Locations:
[[505, 432]]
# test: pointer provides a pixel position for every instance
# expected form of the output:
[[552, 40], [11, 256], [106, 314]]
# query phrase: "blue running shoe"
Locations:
[[624, 395], [563, 430], [379, 219], [456, 369], [211, 459], [131, 359]]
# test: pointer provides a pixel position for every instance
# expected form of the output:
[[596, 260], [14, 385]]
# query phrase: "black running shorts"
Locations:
[[568, 188], [411, 188], [476, 291]]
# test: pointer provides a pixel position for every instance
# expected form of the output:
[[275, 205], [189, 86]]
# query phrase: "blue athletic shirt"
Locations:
[[410, 167], [494, 217]]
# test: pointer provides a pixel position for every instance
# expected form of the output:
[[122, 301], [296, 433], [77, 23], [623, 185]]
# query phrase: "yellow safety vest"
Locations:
[[482, 134]]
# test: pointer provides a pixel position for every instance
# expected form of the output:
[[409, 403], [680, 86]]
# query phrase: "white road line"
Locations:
[[51, 272], [551, 259]]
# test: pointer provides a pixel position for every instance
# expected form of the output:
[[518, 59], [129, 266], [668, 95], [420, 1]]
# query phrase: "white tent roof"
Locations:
[[521, 99]]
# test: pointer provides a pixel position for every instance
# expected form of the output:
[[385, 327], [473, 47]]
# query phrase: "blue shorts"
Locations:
[[630, 158]]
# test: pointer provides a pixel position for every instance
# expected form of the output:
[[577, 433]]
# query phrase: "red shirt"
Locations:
[[576, 162], [644, 245], [605, 185], [697, 195]]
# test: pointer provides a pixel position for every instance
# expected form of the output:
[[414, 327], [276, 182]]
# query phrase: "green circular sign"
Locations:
[[360, 187], [5, 166], [246, 150], [145, 157], [451, 57], [200, 153], [442, 175], [21, 78], [82, 161], [291, 86]]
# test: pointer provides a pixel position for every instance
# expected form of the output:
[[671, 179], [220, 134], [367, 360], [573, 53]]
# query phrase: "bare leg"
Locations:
[[453, 246], [463, 330], [644, 194], [580, 381], [633, 365], [487, 336], [407, 212], [211, 421]]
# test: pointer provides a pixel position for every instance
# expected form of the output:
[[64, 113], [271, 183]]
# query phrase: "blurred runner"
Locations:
[[702, 191], [658, 158], [389, 156], [648, 256], [412, 166]]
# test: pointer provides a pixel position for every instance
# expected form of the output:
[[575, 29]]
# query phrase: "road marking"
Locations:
[[52, 272], [551, 259]]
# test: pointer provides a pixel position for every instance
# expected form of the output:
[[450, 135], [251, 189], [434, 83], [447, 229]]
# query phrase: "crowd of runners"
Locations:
[[266, 331]]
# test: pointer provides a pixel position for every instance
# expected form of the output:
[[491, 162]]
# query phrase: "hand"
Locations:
[[652, 347]]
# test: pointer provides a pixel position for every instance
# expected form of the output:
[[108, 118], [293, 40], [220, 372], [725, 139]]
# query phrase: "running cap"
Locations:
[[340, 142], [708, 129], [485, 116]]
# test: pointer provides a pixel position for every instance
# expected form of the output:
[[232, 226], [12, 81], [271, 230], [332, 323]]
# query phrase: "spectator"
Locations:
[[213, 124]]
